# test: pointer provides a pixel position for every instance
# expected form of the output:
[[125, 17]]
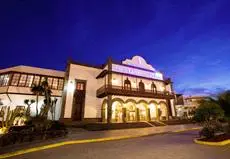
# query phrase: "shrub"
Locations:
[[43, 130], [208, 113], [207, 132]]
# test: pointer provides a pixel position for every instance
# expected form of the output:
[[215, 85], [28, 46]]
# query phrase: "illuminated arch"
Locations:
[[117, 110], [130, 100], [153, 101], [118, 100], [153, 110], [131, 110], [164, 110], [104, 110], [142, 101]]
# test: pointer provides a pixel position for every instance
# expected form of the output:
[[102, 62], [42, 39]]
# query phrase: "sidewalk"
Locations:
[[94, 136]]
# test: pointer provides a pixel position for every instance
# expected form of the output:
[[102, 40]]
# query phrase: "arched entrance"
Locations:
[[153, 111], [130, 111], [162, 111], [142, 111], [117, 112]]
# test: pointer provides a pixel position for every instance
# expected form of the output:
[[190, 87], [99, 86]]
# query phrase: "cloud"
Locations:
[[200, 91]]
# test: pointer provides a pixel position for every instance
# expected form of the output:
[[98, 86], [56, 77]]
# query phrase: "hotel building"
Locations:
[[127, 91]]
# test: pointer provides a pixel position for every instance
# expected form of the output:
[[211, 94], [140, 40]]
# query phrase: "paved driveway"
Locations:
[[168, 146]]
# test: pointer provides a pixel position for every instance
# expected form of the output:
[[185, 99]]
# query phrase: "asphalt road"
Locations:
[[168, 146]]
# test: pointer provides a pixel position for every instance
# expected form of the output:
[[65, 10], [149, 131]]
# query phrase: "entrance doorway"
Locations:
[[79, 100]]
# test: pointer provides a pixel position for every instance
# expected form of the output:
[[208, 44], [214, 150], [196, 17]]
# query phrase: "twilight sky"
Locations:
[[188, 40]]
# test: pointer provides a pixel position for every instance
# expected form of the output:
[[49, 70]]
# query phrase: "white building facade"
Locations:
[[129, 91], [16, 83]]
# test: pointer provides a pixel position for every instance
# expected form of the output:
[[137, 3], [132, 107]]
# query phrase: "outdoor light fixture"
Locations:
[[70, 86]]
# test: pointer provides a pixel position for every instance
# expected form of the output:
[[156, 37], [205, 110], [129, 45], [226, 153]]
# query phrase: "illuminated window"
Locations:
[[5, 80], [80, 86], [36, 80], [55, 83], [1, 80], [15, 79], [43, 79], [50, 80], [22, 80], [29, 80], [60, 84]]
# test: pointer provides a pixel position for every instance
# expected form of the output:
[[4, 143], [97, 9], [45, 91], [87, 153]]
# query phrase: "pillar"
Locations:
[[169, 109], [137, 114], [148, 114], [157, 113], [124, 115], [109, 109]]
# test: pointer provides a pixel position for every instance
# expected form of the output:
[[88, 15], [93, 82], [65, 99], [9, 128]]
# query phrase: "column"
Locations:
[[109, 109], [137, 114], [157, 114], [124, 115], [169, 114], [148, 114]]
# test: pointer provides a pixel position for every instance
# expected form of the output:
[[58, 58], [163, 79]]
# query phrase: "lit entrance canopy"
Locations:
[[137, 62]]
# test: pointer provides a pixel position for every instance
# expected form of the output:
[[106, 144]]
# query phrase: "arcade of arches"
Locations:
[[132, 111]]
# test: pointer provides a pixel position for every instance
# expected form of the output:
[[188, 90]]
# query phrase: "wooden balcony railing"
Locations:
[[119, 90]]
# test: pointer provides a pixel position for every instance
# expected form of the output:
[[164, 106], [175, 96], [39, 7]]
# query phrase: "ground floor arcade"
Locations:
[[131, 110]]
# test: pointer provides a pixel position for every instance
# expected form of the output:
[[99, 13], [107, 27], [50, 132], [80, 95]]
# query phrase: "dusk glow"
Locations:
[[188, 41]]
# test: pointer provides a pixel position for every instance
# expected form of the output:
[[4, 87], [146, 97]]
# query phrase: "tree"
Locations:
[[224, 101], [37, 90], [208, 114], [47, 101], [28, 102]]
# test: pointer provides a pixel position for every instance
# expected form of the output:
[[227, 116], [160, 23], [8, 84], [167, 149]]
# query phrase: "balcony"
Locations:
[[134, 92]]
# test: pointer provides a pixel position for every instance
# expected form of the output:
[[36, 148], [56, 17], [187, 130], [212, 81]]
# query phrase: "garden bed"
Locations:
[[113, 126], [218, 138]]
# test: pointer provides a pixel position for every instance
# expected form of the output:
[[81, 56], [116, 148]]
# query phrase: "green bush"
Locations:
[[208, 113], [207, 132]]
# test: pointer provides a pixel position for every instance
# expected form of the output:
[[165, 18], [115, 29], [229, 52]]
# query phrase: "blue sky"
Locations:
[[188, 41]]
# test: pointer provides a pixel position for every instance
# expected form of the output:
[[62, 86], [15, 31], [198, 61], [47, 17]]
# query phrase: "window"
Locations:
[[29, 80], [15, 79], [5, 80], [153, 87], [141, 86], [60, 84], [22, 80], [55, 83], [1, 80], [80, 86], [43, 79], [36, 80], [127, 84], [50, 80]]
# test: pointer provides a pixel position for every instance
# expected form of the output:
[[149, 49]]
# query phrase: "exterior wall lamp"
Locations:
[[70, 86]]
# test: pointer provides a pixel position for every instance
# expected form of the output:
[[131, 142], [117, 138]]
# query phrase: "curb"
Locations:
[[178, 131], [221, 143], [39, 148]]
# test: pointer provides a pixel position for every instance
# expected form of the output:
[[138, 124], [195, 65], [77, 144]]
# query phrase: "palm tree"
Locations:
[[37, 90], [223, 99], [47, 92], [28, 103]]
